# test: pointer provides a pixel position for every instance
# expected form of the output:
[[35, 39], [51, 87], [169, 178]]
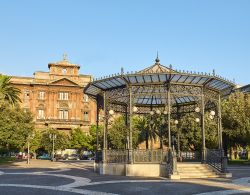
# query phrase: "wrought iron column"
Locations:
[[130, 126], [104, 157], [169, 116], [219, 123], [97, 124], [127, 126], [203, 127], [178, 132]]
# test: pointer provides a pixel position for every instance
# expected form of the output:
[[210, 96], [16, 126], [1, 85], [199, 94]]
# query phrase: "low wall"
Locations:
[[144, 170]]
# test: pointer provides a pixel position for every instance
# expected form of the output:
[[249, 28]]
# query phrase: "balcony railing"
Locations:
[[61, 120]]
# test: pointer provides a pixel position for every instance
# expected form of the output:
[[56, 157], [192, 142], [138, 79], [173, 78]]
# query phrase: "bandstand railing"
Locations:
[[139, 156], [117, 156], [150, 156], [216, 159], [190, 156]]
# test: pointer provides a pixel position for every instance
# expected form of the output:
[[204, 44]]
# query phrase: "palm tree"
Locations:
[[8, 92], [147, 131]]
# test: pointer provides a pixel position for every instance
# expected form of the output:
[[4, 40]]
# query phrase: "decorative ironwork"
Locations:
[[118, 93], [210, 95], [214, 158], [190, 156], [117, 156], [185, 90], [150, 156]]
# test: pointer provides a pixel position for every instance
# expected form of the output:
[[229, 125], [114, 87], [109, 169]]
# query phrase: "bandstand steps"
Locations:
[[195, 170]]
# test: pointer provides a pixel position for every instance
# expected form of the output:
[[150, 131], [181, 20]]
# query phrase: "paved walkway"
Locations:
[[68, 178], [35, 163]]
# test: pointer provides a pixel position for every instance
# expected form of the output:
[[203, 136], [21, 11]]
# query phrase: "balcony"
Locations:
[[63, 121]]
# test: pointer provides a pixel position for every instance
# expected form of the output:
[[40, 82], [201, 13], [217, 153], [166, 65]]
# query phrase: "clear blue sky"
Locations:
[[104, 35]]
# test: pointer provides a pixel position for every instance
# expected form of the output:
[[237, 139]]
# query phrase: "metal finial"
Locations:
[[157, 60], [122, 70], [213, 72], [65, 56]]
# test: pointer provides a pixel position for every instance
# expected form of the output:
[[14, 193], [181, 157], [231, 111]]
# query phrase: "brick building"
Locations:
[[56, 97]]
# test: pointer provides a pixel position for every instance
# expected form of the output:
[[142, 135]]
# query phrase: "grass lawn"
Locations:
[[239, 162], [6, 160]]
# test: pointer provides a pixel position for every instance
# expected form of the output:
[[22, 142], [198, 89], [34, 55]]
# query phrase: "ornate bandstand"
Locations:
[[158, 91]]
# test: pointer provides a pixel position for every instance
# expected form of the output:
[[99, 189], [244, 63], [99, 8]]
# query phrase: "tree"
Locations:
[[8, 92], [35, 141], [236, 120], [191, 135], [61, 141], [118, 134], [16, 125], [92, 132], [79, 140]]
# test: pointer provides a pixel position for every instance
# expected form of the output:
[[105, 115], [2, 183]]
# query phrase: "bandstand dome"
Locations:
[[159, 75]]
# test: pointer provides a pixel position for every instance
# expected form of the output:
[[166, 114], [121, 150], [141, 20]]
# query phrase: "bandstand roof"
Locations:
[[158, 74]]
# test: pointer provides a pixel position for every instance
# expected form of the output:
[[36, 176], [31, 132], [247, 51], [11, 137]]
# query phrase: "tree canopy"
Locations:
[[16, 124], [236, 119], [8, 92]]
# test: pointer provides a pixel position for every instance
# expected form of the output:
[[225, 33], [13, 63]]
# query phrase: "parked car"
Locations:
[[71, 157], [91, 158], [58, 157], [84, 157], [21, 156], [44, 157]]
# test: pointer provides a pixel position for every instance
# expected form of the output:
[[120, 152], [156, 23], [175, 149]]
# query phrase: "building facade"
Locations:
[[245, 89], [56, 98]]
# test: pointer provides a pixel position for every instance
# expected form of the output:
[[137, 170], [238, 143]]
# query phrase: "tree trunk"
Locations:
[[151, 144]]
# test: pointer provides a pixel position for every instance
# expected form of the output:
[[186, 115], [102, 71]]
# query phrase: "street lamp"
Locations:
[[158, 112], [28, 140], [151, 112], [53, 137], [135, 109], [197, 120], [111, 112], [197, 109], [212, 113]]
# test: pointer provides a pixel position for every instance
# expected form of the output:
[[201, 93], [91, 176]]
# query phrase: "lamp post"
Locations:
[[28, 143], [212, 116], [53, 137], [200, 120], [176, 122]]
